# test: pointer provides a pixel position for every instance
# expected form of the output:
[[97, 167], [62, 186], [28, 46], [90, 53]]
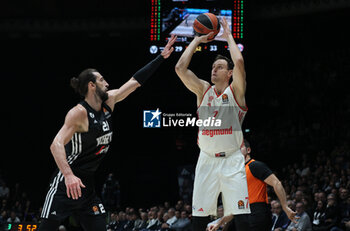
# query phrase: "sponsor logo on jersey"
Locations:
[[105, 139], [103, 149], [217, 132]]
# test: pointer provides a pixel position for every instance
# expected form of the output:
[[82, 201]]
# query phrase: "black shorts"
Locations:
[[260, 218], [58, 206]]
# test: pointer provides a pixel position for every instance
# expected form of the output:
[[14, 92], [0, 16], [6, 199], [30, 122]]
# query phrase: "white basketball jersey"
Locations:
[[227, 137]]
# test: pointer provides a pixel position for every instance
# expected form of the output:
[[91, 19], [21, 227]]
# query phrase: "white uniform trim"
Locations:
[[76, 150]]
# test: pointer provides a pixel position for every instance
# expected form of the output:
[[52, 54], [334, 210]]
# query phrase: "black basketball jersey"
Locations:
[[86, 150]]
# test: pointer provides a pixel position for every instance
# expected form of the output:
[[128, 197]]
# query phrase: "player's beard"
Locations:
[[102, 94]]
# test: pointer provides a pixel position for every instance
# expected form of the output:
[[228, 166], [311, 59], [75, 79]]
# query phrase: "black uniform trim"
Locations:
[[260, 170]]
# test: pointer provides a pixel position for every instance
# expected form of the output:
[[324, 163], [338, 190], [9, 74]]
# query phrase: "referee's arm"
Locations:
[[273, 181], [261, 171]]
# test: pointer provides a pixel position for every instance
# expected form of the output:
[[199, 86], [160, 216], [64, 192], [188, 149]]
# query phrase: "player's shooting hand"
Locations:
[[204, 38], [73, 185], [226, 27], [168, 49]]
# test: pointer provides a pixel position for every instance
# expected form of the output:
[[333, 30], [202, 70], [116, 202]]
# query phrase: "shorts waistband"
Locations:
[[222, 154]]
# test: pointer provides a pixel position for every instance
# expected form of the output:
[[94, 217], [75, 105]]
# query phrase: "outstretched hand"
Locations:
[[226, 27], [168, 49]]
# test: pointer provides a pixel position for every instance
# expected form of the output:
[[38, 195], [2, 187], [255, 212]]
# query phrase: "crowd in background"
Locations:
[[15, 205], [320, 188], [317, 189]]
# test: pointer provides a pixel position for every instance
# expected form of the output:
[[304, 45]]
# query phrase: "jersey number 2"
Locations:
[[105, 126]]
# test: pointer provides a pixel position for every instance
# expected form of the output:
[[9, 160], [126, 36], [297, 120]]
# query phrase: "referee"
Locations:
[[258, 177]]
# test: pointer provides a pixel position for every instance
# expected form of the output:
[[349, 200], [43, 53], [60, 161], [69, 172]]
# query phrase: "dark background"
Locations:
[[297, 64]]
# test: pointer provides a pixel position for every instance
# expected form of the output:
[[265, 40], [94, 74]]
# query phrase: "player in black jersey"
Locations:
[[82, 142]]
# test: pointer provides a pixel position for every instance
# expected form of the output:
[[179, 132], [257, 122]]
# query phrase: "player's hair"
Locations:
[[80, 83], [230, 64], [246, 143]]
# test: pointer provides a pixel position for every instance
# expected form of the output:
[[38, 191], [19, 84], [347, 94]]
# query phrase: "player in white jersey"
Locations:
[[220, 167]]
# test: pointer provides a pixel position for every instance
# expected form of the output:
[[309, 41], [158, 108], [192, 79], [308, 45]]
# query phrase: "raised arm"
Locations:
[[191, 81], [239, 76], [140, 76], [76, 121]]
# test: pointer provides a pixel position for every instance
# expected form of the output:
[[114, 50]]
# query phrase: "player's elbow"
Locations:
[[180, 68], [239, 63], [55, 145], [277, 184]]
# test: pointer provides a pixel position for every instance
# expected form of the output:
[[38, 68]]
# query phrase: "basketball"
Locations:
[[206, 23]]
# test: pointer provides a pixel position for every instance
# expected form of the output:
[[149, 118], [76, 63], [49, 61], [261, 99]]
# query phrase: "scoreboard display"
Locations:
[[23, 226], [168, 17]]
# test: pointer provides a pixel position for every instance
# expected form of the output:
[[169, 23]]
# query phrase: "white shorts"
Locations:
[[225, 174]]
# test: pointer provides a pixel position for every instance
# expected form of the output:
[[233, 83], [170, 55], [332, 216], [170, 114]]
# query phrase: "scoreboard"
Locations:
[[22, 226], [176, 17]]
